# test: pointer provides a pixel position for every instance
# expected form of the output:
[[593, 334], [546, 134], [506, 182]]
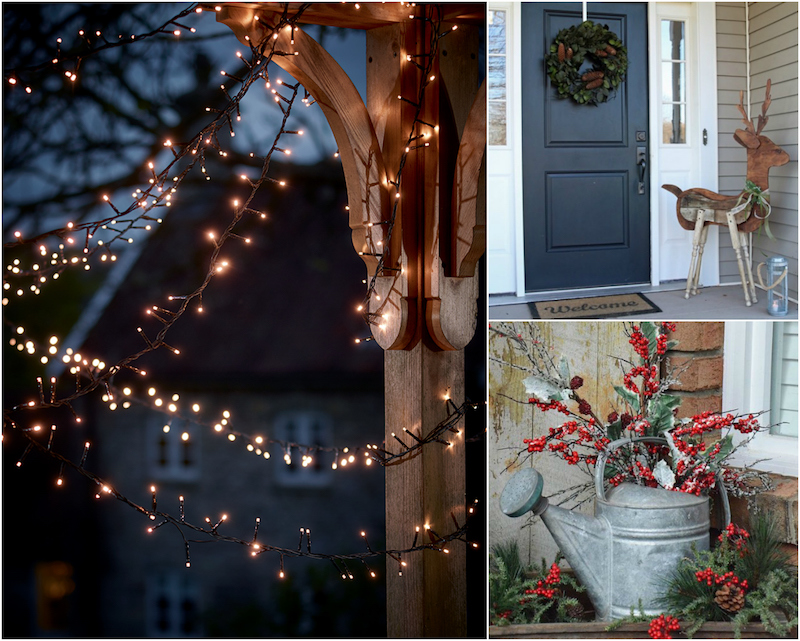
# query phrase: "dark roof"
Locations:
[[284, 311]]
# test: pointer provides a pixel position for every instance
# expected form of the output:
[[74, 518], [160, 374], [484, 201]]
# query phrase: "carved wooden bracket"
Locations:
[[429, 285]]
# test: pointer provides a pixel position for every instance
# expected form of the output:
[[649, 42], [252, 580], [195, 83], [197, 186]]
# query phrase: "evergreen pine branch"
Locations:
[[776, 593]]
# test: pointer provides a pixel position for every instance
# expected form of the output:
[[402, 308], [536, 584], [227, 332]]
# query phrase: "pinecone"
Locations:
[[575, 611], [592, 75], [730, 598], [569, 53], [561, 52], [600, 53], [610, 50], [594, 83]]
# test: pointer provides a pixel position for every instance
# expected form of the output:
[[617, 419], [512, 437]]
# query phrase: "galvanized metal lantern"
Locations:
[[777, 286]]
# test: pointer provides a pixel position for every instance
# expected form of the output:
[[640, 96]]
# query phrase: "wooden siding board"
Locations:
[[780, 44], [778, 66], [764, 14], [730, 27], [773, 30], [727, 55]]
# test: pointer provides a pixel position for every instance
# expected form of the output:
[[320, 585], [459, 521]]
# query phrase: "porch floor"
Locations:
[[725, 302]]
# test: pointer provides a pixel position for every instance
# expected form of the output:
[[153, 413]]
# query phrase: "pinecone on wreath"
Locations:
[[730, 598]]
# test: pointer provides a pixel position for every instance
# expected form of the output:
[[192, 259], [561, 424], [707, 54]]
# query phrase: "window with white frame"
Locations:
[[302, 432], [173, 449], [498, 97], [760, 374], [171, 607], [673, 76]]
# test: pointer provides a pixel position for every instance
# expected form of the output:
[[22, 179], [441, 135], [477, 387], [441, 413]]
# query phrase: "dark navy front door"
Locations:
[[586, 222]]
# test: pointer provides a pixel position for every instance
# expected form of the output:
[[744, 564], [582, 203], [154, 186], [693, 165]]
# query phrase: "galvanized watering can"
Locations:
[[637, 536]]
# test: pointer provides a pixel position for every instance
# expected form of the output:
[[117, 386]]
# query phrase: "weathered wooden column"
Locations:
[[430, 598], [426, 295]]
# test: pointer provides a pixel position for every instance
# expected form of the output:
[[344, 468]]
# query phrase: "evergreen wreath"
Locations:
[[602, 48]]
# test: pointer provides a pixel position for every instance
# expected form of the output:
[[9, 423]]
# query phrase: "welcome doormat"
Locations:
[[594, 307]]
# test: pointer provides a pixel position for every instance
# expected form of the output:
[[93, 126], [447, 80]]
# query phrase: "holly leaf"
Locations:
[[661, 417], [614, 430], [648, 329], [629, 397]]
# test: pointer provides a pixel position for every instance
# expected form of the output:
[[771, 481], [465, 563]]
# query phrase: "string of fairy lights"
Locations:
[[384, 454], [430, 15], [211, 532], [94, 375]]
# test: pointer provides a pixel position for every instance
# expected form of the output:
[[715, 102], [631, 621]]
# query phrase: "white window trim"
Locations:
[[746, 383]]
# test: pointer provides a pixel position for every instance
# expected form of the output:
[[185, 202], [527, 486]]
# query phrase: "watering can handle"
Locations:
[[761, 279], [600, 467]]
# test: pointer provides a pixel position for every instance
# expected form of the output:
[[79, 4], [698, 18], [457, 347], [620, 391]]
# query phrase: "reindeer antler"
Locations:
[[748, 124], [762, 118]]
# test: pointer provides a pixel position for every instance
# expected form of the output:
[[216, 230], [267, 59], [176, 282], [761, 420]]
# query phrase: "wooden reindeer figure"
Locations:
[[699, 208]]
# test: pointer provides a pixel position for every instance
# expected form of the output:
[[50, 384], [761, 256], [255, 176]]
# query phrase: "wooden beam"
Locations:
[[430, 598], [368, 15], [437, 239]]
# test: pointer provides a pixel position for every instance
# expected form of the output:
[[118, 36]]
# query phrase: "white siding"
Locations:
[[731, 79]]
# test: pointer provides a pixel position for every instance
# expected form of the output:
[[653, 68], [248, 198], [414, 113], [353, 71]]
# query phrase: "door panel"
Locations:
[[586, 224]]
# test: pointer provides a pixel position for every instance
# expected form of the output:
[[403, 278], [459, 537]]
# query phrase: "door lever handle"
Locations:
[[641, 165]]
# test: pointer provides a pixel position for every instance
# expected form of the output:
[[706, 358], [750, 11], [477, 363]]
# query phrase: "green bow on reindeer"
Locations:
[[759, 198]]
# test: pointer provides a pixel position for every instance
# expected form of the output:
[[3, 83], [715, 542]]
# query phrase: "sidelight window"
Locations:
[[673, 81], [498, 75]]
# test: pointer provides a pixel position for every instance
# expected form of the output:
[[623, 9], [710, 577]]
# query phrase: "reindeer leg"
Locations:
[[693, 267], [737, 247], [703, 237], [749, 266]]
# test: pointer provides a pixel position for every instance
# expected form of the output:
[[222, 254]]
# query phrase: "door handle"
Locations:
[[641, 165]]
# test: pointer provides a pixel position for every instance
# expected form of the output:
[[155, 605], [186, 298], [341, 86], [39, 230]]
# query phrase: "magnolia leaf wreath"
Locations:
[[593, 43]]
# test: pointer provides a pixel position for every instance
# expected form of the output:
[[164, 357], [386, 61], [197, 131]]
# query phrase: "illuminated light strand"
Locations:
[[212, 534], [80, 56], [374, 452], [429, 57], [85, 453], [158, 342], [207, 134], [25, 454]]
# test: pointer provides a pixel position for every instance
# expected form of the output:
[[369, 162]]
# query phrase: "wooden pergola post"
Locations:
[[426, 295]]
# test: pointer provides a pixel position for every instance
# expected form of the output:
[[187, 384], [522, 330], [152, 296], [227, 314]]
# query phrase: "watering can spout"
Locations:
[[584, 540]]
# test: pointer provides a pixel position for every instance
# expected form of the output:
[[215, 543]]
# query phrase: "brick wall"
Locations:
[[698, 358]]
